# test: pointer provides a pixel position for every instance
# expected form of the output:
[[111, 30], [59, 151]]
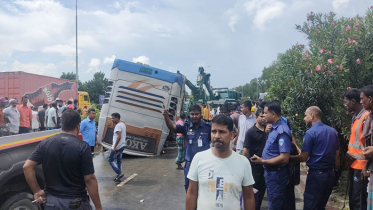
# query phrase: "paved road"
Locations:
[[157, 183]]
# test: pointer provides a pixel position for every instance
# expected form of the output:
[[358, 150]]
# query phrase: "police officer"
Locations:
[[321, 151], [197, 134], [275, 156]]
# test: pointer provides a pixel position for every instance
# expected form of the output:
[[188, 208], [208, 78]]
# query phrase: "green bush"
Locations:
[[339, 55], [98, 111]]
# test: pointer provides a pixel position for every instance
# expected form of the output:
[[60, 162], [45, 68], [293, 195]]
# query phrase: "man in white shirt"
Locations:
[[119, 142], [218, 175], [52, 117], [13, 116], [245, 122]]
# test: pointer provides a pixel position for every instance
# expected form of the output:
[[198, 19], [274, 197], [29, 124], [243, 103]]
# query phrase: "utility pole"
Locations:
[[257, 88], [76, 39]]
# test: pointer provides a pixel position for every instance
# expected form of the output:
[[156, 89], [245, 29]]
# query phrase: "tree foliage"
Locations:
[[339, 55], [94, 87]]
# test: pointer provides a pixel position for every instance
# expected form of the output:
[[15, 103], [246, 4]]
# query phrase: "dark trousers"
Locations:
[[358, 190], [186, 171], [319, 186], [260, 184], [276, 181], [290, 196], [24, 130], [56, 203]]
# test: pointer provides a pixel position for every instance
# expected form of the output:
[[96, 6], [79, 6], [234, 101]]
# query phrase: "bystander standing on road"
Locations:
[[46, 115], [197, 134], [181, 144], [205, 112], [366, 99], [245, 122], [25, 121], [52, 117], [68, 169], [88, 130], [3, 102], [321, 151], [76, 106], [41, 117], [236, 115], [358, 175], [34, 122], [211, 112], [275, 156], [60, 109], [119, 143], [255, 140], [12, 114], [84, 111], [219, 175]]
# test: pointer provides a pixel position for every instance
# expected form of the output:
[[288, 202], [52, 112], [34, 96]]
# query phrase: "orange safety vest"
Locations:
[[356, 145]]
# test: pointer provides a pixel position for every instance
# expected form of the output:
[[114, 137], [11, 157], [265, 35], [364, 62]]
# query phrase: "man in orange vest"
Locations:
[[357, 173]]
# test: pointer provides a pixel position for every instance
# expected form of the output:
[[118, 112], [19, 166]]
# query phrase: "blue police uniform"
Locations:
[[197, 139], [276, 176], [321, 142]]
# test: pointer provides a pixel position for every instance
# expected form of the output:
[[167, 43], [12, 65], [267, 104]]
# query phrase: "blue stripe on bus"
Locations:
[[143, 102], [139, 91], [135, 68]]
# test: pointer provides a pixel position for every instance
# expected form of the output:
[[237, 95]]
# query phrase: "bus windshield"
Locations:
[[138, 93]]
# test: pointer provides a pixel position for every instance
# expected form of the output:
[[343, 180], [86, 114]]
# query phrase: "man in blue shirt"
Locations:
[[275, 156], [88, 129], [197, 134], [321, 151]]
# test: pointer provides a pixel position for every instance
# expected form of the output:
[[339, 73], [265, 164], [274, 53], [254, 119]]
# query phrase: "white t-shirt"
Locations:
[[52, 113], [244, 124], [220, 180], [34, 121], [122, 128], [13, 116]]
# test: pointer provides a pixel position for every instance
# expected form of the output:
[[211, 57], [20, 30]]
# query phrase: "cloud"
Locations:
[[109, 60], [338, 5], [95, 62], [233, 18], [35, 68], [264, 11], [143, 59], [117, 5], [64, 50]]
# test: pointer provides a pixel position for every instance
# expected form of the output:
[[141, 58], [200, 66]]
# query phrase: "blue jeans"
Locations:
[[24, 130], [115, 160]]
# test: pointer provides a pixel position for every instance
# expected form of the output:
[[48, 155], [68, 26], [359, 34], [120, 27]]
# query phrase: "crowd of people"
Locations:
[[232, 169], [25, 118]]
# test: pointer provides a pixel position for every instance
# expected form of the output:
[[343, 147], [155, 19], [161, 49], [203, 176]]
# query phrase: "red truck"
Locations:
[[39, 89]]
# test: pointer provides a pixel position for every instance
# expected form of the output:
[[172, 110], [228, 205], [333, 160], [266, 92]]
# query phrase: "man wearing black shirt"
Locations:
[[255, 140], [67, 167]]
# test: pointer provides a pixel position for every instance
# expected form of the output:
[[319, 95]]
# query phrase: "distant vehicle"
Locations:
[[40, 89], [216, 95], [15, 193], [138, 93]]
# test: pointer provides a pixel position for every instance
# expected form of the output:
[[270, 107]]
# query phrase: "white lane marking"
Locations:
[[127, 180]]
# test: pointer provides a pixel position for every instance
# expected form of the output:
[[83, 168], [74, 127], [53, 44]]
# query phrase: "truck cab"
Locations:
[[84, 99]]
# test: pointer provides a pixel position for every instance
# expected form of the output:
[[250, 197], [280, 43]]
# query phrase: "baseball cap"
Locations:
[[3, 100], [57, 99]]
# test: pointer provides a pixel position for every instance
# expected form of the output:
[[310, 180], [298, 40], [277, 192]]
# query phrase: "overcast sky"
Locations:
[[233, 40]]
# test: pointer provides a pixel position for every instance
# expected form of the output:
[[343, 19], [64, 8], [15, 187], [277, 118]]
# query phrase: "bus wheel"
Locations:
[[20, 201]]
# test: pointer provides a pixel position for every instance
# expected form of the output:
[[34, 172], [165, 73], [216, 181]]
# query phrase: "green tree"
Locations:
[[96, 86], [72, 76], [68, 75], [339, 56]]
